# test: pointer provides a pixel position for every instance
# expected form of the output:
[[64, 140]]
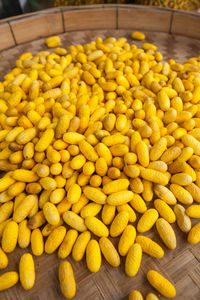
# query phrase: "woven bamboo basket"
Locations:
[[177, 35]]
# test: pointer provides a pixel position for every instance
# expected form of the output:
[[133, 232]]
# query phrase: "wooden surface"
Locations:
[[43, 25], [188, 27], [29, 27], [103, 19], [7, 39], [181, 266], [155, 20]]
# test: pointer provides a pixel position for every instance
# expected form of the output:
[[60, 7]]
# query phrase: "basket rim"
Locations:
[[16, 30]]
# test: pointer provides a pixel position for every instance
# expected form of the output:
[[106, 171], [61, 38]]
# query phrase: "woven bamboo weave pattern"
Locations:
[[181, 266]]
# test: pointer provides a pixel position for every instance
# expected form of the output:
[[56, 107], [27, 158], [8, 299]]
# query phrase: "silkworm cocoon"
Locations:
[[129, 210], [193, 211], [161, 284], [155, 176], [9, 237], [138, 204], [104, 151], [8, 279], [5, 182], [96, 226], [77, 162], [80, 245], [26, 136], [194, 191], [24, 234], [190, 141], [6, 210], [126, 240], [74, 220], [136, 185], [67, 281], [24, 208], [183, 221], [109, 252], [94, 194], [181, 194], [158, 165], [88, 151], [51, 213], [147, 220], [133, 260], [67, 244], [93, 256], [171, 154], [166, 233], [73, 137], [151, 296], [131, 171], [136, 35], [45, 140], [101, 167], [181, 179], [3, 259], [74, 193], [48, 228], [120, 198], [165, 210], [119, 223], [119, 150], [143, 153], [194, 234], [108, 213], [135, 295], [55, 239], [164, 194], [149, 246], [116, 186], [2, 226], [37, 242], [16, 188], [78, 206], [147, 193], [37, 220], [90, 210], [24, 175], [27, 271], [163, 100]]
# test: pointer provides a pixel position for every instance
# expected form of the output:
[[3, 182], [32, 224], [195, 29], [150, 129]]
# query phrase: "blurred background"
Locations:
[[10, 8]]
